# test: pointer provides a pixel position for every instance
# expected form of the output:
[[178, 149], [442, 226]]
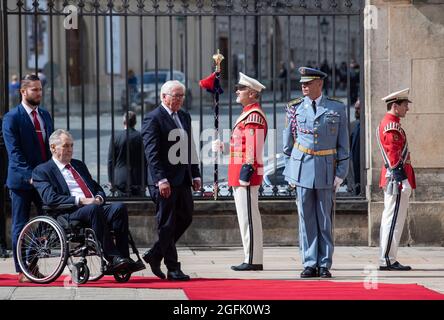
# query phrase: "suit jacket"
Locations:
[[52, 187], [156, 128], [118, 175], [325, 130], [22, 145], [3, 159], [355, 151]]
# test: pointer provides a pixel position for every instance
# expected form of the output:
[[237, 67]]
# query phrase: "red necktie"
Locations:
[[38, 130], [79, 181]]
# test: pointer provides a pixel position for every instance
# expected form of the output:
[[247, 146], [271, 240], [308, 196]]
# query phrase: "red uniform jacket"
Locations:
[[393, 141], [247, 144]]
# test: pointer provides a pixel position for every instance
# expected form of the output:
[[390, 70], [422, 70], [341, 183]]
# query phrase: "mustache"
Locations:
[[33, 102]]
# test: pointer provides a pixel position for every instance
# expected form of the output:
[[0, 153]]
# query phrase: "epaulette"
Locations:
[[295, 102], [255, 117], [392, 126], [335, 99]]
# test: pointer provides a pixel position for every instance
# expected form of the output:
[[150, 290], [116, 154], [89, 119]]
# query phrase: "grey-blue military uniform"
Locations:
[[316, 147]]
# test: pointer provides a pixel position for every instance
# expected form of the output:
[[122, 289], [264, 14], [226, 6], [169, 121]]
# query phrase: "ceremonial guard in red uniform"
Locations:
[[397, 178], [245, 169]]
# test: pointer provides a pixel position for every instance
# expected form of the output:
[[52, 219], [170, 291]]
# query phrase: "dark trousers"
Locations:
[[116, 216], [102, 219], [174, 216], [21, 206], [2, 219]]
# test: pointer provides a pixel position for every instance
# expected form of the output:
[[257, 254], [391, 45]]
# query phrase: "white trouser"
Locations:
[[249, 217], [392, 223]]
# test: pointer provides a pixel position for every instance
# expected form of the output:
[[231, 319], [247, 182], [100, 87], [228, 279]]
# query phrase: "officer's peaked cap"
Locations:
[[310, 74], [250, 82], [400, 95]]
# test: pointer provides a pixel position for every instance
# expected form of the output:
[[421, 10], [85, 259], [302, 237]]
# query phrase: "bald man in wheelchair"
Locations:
[[63, 180]]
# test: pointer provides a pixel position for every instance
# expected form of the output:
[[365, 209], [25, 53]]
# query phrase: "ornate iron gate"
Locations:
[[100, 59]]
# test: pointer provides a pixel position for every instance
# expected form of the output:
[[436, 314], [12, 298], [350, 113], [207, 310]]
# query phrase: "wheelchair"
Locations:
[[49, 243]]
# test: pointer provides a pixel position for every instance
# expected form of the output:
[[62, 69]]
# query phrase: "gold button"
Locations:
[[316, 135], [316, 141]]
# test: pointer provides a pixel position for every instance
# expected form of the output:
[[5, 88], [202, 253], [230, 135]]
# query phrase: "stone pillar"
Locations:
[[404, 47]]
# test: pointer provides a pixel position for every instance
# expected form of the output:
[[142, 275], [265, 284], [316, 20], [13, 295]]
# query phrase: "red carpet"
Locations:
[[236, 289]]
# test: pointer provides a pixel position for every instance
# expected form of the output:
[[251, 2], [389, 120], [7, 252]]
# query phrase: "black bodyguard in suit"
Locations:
[[172, 170], [63, 180], [123, 172]]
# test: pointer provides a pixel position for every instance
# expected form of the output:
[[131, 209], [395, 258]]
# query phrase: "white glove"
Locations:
[[217, 146], [244, 183], [406, 184], [337, 183]]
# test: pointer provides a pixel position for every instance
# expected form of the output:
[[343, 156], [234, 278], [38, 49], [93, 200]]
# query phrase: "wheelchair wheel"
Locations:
[[42, 250], [94, 259], [80, 273], [122, 275]]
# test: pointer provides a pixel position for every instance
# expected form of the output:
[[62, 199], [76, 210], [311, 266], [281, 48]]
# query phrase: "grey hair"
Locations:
[[167, 86], [55, 136]]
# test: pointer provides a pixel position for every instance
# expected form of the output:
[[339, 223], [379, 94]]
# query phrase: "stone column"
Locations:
[[404, 47]]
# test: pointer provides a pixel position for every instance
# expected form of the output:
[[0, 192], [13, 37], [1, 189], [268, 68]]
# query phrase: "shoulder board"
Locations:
[[392, 126], [295, 102], [334, 99], [255, 117]]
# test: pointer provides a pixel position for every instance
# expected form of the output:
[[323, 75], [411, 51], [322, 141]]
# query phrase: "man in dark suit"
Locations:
[[63, 180], [355, 149], [3, 165], [120, 171], [26, 129], [172, 170]]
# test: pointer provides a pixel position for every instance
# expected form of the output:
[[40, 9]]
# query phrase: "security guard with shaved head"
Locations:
[[397, 178], [316, 146], [245, 169]]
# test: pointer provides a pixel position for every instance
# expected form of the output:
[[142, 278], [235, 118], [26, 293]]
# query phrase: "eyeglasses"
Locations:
[[241, 87], [176, 96]]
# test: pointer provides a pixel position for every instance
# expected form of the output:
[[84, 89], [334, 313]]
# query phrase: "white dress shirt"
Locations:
[[73, 186], [42, 123]]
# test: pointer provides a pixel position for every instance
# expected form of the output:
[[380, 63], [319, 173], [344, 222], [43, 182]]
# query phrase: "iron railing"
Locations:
[[88, 86]]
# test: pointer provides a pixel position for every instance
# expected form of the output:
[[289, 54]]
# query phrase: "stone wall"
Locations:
[[406, 49], [215, 223]]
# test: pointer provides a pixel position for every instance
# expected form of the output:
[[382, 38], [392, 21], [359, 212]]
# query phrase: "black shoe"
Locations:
[[309, 272], [154, 264], [117, 264], [247, 267], [396, 266], [135, 266], [177, 275], [324, 273]]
